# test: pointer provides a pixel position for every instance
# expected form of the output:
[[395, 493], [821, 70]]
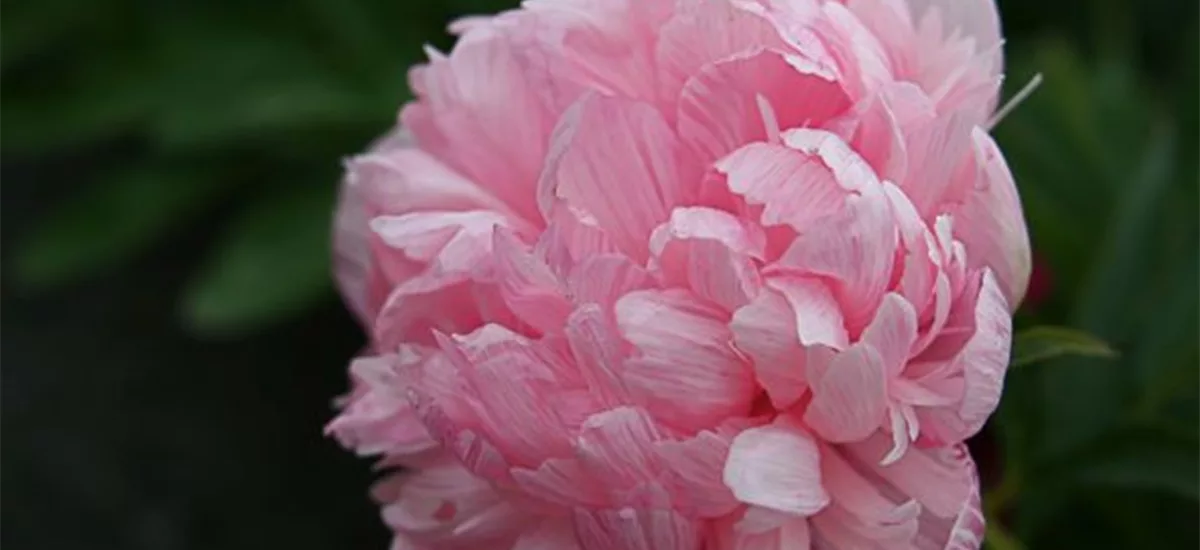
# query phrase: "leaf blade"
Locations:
[[1043, 343]]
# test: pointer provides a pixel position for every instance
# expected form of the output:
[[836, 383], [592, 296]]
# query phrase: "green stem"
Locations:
[[998, 538]]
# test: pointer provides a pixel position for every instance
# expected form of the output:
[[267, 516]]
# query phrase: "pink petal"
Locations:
[[711, 253], [892, 332], [551, 534], [352, 262], [776, 467], [982, 360], [571, 237], [508, 380], [617, 447], [967, 531], [936, 148], [786, 533], [696, 465], [991, 226], [792, 188], [486, 111], [398, 181], [849, 394], [985, 357], [977, 19], [855, 247], [765, 329], [817, 314], [861, 497], [719, 108], [702, 32], [603, 279], [446, 504], [621, 162], [637, 529], [939, 479], [608, 47], [528, 287], [686, 374], [598, 354], [378, 417]]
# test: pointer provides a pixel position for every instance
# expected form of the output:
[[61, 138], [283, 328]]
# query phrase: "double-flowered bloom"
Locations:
[[687, 274]]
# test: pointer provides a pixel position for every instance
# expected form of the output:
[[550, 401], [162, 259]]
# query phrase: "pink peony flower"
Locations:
[[687, 274]]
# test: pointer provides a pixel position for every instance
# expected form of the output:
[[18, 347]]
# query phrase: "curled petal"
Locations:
[[777, 467]]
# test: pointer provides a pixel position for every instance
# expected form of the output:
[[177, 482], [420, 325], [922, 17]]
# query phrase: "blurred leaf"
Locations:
[[1045, 342], [1081, 401], [33, 27], [273, 262], [78, 101], [112, 220], [249, 85], [1141, 458]]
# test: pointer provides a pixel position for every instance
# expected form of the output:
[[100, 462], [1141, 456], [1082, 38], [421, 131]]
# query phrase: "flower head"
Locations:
[[684, 274]]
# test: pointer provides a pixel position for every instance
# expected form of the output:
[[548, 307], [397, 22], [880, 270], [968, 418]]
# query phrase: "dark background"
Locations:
[[172, 342]]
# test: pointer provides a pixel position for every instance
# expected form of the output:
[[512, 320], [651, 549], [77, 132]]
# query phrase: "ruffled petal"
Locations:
[[620, 162], [684, 370]]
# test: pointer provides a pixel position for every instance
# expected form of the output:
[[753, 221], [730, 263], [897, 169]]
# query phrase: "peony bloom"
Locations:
[[687, 274]]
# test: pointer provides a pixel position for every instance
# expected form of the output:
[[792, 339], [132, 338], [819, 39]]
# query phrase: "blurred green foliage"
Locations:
[[252, 104]]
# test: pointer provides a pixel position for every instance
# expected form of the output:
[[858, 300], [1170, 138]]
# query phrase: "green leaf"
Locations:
[[1082, 402], [110, 221], [1141, 458], [273, 262], [1044, 343], [250, 85]]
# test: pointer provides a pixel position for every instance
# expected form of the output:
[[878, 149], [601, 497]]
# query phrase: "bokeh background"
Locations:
[[172, 341]]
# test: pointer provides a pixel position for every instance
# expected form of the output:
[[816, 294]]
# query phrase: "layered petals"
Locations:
[[686, 275]]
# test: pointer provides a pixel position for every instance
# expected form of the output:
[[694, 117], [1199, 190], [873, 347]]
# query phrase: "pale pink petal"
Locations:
[[447, 505], [352, 262], [892, 332], [528, 287], [982, 362], [637, 529], [617, 447], [777, 467], [787, 533], [849, 394], [940, 479], [696, 467], [860, 56], [598, 354], [378, 417], [685, 371], [967, 531], [620, 161], [399, 181], [817, 313], [497, 139], [604, 278], [710, 252], [977, 19], [719, 109], [855, 247], [562, 482], [571, 237], [608, 46], [551, 534], [791, 188], [990, 223], [936, 148], [765, 330]]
